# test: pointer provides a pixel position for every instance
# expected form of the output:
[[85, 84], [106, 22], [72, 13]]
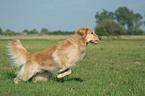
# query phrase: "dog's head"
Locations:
[[88, 35]]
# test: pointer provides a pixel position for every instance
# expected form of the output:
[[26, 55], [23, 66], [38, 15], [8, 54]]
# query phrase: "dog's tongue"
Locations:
[[93, 42]]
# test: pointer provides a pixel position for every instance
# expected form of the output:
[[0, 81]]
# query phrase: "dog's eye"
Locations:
[[91, 32]]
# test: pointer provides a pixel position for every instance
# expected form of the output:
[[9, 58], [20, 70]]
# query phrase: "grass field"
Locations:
[[111, 68]]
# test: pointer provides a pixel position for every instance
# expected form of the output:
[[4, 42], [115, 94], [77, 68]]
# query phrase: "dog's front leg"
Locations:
[[64, 74], [61, 70]]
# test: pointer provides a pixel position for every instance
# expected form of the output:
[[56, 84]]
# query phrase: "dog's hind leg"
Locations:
[[16, 80], [26, 72], [64, 74], [44, 76]]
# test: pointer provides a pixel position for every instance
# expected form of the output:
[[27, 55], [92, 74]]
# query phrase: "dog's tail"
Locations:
[[18, 53]]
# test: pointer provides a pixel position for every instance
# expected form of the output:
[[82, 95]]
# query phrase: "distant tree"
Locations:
[[104, 15], [144, 21], [9, 32], [109, 27], [34, 31], [1, 30], [27, 31], [140, 32], [44, 31], [123, 15], [137, 23], [127, 18]]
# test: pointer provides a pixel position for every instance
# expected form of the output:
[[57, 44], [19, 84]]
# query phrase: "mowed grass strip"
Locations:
[[111, 68], [58, 37], [51, 37]]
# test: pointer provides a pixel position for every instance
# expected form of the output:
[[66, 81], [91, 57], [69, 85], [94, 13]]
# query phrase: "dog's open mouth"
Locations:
[[93, 42]]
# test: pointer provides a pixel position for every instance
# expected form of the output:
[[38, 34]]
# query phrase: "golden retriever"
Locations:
[[58, 59]]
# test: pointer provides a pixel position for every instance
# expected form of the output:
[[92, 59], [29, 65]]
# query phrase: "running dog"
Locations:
[[57, 59]]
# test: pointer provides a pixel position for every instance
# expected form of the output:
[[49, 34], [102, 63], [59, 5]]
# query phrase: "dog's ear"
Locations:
[[82, 31]]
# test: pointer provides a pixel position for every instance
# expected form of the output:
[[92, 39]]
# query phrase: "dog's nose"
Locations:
[[100, 37]]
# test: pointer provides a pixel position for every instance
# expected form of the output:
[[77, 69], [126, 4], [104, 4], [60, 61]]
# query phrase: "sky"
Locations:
[[65, 15]]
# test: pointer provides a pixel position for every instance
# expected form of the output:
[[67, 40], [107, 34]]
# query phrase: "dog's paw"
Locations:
[[60, 76], [16, 80]]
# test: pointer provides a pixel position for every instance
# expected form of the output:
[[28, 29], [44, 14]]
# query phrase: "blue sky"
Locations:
[[66, 15]]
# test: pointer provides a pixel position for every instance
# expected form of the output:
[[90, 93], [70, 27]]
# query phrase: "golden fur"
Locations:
[[58, 59]]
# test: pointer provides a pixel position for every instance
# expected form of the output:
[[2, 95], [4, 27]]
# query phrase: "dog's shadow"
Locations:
[[11, 75], [67, 79]]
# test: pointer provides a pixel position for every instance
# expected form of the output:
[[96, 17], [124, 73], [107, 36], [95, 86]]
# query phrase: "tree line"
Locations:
[[44, 31], [121, 22]]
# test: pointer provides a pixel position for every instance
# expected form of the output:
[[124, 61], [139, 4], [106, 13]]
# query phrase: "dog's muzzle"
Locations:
[[100, 37]]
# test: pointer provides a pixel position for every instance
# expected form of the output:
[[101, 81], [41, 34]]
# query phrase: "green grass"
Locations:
[[111, 68]]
